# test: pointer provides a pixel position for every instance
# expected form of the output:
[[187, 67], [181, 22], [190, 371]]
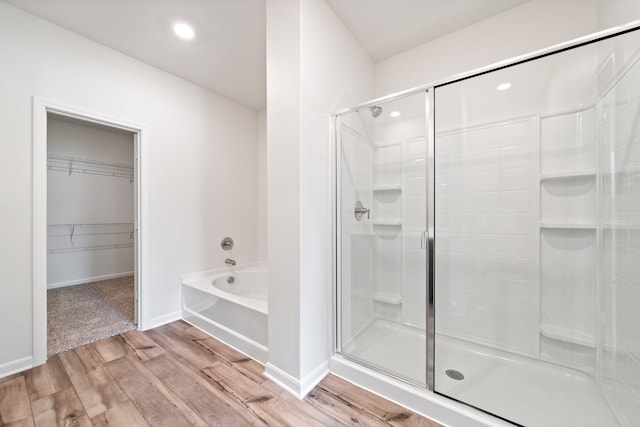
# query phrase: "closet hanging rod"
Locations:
[[90, 248], [90, 229]]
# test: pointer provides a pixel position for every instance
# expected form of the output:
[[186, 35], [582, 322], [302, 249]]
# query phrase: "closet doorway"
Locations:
[[90, 233], [87, 221]]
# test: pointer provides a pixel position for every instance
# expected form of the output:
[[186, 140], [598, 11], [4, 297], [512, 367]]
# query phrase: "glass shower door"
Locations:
[[537, 194], [619, 293], [381, 198]]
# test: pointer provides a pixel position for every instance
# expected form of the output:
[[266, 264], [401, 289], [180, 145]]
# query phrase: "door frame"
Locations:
[[41, 110]]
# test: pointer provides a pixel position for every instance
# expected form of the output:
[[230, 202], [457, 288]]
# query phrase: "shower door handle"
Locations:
[[424, 239]]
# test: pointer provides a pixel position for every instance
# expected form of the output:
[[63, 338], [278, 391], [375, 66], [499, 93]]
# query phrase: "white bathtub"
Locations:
[[235, 313]]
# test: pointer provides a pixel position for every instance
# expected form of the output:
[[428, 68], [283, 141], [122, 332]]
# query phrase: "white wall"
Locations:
[[335, 73], [314, 67], [534, 25], [283, 176], [202, 156], [80, 198], [617, 12], [262, 185]]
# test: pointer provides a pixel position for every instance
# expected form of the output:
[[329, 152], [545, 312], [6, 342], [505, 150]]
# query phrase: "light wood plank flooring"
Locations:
[[176, 375]]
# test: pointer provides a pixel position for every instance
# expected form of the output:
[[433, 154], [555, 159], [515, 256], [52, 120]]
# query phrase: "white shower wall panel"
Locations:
[[399, 210], [567, 142], [387, 165], [414, 289], [356, 244], [621, 239], [486, 235]]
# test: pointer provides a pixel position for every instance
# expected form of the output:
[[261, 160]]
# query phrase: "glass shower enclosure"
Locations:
[[488, 236]]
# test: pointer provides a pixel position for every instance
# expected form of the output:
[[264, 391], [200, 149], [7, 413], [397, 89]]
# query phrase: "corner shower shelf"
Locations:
[[568, 175], [567, 335], [392, 223], [380, 188], [83, 237], [71, 165], [568, 226], [387, 298]]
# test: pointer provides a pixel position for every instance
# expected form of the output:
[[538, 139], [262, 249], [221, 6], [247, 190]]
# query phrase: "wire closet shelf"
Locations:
[[83, 237], [56, 162]]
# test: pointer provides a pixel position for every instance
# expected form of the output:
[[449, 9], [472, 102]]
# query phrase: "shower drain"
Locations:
[[454, 375]]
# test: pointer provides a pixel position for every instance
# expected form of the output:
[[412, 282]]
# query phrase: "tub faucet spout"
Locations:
[[230, 261]]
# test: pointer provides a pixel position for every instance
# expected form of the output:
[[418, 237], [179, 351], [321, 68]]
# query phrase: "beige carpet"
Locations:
[[82, 314]]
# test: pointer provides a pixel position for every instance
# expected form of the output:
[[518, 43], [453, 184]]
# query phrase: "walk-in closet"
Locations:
[[90, 233]]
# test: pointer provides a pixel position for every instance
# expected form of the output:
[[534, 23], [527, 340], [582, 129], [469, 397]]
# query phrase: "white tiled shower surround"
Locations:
[[486, 235]]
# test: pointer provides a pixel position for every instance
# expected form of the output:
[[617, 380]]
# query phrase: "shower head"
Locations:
[[375, 111]]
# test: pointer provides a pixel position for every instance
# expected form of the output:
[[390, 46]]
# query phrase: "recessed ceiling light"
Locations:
[[503, 86], [395, 114], [184, 31]]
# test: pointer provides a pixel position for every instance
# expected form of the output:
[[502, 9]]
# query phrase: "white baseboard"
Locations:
[[16, 366], [284, 380], [313, 378], [298, 388], [164, 319], [88, 280]]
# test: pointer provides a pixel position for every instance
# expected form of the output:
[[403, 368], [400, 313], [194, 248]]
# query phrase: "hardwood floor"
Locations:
[[176, 375]]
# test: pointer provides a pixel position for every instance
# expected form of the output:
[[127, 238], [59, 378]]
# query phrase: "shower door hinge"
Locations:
[[424, 238]]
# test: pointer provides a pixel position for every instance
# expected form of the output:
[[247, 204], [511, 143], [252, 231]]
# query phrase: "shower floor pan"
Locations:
[[518, 388], [394, 348], [524, 390]]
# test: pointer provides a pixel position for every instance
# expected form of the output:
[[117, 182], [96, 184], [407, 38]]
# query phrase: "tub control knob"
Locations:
[[360, 210], [227, 243]]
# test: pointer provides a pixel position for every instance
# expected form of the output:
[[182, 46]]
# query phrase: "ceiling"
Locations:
[[228, 54], [387, 27]]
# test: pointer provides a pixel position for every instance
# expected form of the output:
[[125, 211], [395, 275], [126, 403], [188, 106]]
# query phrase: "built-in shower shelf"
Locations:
[[568, 175], [387, 298], [567, 335], [380, 188], [568, 226], [392, 223]]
